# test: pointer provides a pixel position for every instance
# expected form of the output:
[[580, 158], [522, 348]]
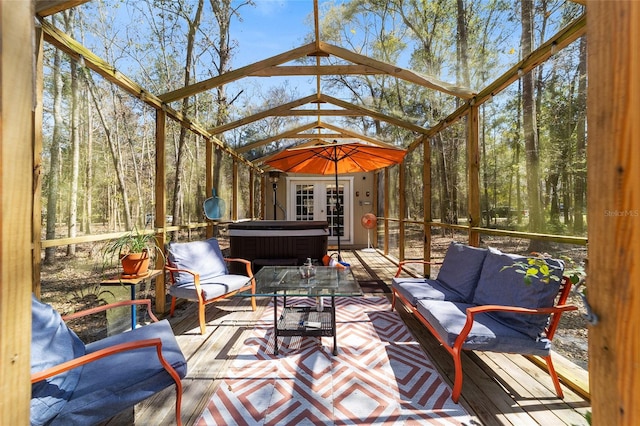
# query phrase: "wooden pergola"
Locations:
[[613, 170]]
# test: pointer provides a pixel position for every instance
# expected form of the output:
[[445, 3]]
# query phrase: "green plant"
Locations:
[[538, 267], [135, 241]]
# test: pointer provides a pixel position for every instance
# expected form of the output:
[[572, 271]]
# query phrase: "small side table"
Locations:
[[121, 282]]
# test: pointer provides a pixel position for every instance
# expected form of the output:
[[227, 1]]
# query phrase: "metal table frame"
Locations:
[[286, 281]]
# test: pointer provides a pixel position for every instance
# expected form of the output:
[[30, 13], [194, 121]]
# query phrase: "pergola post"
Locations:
[[208, 178], [613, 176], [252, 210], [17, 137], [426, 203], [401, 208], [376, 182], [234, 197], [160, 213], [386, 211], [473, 175], [37, 161]]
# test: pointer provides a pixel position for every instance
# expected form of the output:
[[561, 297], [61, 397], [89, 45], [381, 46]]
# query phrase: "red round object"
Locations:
[[369, 220]]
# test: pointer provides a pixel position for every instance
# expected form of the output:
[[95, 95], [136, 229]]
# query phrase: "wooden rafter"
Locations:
[[562, 39], [49, 7], [374, 114], [259, 143], [239, 73], [76, 50], [287, 110], [298, 133], [305, 70], [397, 71], [263, 114]]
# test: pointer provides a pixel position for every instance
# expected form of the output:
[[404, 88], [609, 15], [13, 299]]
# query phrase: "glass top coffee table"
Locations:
[[319, 320]]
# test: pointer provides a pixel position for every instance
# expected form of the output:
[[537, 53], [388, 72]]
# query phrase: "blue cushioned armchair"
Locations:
[[198, 272], [77, 384]]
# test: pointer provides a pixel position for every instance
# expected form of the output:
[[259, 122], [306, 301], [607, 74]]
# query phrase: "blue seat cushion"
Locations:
[[212, 288], [203, 257], [499, 286], [461, 268], [487, 334], [111, 384], [414, 289], [52, 343]]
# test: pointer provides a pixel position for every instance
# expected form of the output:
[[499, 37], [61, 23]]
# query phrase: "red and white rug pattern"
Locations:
[[380, 376]]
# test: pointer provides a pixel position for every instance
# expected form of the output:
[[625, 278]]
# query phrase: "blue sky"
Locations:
[[271, 27]]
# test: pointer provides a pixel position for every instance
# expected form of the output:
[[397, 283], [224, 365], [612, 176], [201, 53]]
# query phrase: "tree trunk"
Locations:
[[88, 180], [72, 229], [54, 155], [177, 210], [116, 156], [536, 223], [222, 11], [581, 138], [445, 199]]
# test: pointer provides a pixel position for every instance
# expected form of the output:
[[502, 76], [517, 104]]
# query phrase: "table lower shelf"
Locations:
[[305, 321]]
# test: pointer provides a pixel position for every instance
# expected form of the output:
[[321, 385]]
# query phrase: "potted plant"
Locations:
[[134, 250]]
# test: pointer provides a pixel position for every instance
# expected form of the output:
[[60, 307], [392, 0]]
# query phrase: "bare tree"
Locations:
[[581, 166], [72, 229], [54, 155], [536, 222]]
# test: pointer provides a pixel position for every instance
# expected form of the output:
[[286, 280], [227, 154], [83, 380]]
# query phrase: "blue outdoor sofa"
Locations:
[[77, 384], [479, 301]]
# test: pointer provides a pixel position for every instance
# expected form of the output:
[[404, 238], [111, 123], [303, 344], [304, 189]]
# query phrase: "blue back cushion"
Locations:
[[202, 257], [461, 269], [498, 286], [52, 343]]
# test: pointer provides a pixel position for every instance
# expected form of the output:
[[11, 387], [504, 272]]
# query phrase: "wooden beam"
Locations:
[[287, 110], [386, 211], [75, 50], [16, 186], [49, 7], [613, 173], [562, 39], [354, 135], [263, 114], [237, 74], [323, 113], [396, 71], [259, 143], [374, 114], [160, 210], [235, 200], [38, 170], [559, 41], [208, 177], [426, 204], [318, 135], [402, 205], [306, 70]]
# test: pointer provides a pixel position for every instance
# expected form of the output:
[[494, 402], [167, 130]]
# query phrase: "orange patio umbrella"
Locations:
[[336, 158]]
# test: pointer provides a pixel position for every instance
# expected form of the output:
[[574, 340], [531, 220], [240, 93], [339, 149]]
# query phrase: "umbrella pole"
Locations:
[[337, 202]]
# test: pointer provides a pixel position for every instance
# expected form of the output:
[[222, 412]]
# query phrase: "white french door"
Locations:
[[318, 199]]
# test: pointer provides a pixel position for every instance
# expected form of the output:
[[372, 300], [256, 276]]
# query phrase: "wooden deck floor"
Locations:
[[498, 389]]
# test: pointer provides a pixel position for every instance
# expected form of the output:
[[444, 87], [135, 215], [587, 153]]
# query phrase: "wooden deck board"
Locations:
[[498, 389]]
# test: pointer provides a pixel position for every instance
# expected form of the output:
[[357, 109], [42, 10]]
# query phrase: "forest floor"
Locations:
[[73, 284]]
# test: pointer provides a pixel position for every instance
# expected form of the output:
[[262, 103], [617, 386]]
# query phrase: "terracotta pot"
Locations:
[[135, 264]]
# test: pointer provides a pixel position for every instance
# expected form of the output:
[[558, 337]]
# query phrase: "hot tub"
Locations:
[[278, 242]]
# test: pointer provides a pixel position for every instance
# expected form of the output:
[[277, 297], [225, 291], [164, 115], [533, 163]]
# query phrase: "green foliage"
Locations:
[[135, 241], [537, 267]]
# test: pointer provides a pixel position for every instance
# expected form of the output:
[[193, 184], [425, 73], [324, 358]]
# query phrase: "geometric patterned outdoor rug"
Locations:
[[380, 376]]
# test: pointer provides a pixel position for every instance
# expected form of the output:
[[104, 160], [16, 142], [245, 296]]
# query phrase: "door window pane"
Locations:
[[335, 210], [304, 202]]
